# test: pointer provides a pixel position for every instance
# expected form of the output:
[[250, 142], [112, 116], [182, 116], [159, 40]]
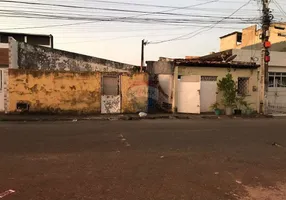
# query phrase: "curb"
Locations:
[[126, 118]]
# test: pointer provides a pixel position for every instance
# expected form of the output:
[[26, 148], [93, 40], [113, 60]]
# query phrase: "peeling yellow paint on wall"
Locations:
[[134, 91], [55, 91]]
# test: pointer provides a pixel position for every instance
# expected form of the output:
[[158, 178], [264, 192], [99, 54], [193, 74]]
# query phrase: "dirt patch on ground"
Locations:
[[271, 193]]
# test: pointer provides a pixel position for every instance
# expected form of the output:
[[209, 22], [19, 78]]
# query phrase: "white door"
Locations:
[[189, 94], [1, 91], [208, 92]]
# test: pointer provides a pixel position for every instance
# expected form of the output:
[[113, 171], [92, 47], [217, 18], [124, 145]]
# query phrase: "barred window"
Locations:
[[243, 86], [209, 78], [276, 79]]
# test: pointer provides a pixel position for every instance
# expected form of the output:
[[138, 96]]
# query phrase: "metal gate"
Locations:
[[208, 92], [276, 96]]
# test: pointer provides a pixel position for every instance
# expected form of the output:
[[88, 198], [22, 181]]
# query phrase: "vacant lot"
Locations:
[[144, 160]]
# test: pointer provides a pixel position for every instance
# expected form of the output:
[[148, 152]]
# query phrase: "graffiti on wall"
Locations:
[[160, 94], [110, 104], [134, 93]]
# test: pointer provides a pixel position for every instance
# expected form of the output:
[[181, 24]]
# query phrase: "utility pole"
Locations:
[[265, 56], [143, 44]]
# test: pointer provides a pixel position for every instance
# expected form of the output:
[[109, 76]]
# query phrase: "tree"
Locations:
[[228, 88]]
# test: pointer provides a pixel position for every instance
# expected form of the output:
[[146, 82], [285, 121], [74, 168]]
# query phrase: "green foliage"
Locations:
[[228, 87], [240, 102], [214, 106]]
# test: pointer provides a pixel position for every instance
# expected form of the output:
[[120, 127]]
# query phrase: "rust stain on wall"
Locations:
[[134, 93], [55, 92]]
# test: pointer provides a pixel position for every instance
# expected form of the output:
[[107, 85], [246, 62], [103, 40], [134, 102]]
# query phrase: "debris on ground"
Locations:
[[162, 157], [216, 173], [74, 120], [276, 144], [142, 114], [238, 182], [6, 193]]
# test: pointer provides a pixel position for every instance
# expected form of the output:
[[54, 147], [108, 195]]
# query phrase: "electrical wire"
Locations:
[[106, 9], [202, 29], [279, 7], [173, 9]]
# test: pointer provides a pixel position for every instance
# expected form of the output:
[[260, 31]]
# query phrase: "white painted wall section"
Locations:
[[189, 94], [13, 53], [208, 95], [110, 104]]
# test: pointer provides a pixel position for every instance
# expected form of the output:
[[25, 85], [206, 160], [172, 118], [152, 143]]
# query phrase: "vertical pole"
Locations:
[[142, 54], [264, 65]]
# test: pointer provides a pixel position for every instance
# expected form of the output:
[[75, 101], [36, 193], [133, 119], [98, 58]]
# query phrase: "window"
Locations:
[[276, 79], [110, 85], [271, 81], [242, 86], [238, 38], [209, 78]]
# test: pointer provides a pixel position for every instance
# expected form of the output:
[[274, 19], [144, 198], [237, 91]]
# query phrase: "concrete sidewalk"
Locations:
[[113, 117]]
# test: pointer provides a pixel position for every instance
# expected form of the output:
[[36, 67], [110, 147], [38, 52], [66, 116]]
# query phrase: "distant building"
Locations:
[[35, 39], [250, 38]]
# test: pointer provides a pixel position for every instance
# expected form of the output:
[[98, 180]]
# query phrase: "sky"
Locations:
[[174, 28]]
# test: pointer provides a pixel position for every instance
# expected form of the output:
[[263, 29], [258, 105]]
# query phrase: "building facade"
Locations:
[[46, 80], [56, 92], [192, 84], [250, 38]]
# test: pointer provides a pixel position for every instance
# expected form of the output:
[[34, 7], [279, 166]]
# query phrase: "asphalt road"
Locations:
[[144, 160]]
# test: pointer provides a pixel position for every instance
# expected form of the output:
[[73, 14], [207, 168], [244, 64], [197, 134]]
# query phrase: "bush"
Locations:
[[228, 87]]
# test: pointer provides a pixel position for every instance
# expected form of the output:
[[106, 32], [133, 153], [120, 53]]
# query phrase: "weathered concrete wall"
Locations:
[[55, 91], [160, 85], [160, 67], [252, 96], [134, 93], [13, 53], [160, 93], [32, 57]]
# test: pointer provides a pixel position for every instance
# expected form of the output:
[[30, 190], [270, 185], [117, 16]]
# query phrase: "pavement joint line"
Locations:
[[124, 140], [6, 193]]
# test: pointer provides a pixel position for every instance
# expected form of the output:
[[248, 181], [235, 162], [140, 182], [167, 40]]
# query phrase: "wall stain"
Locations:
[[49, 95], [32, 57]]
